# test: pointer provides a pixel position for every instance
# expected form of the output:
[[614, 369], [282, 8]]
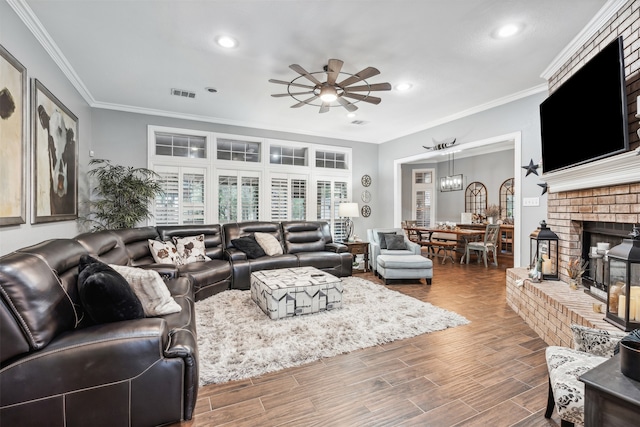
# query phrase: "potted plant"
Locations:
[[122, 195]]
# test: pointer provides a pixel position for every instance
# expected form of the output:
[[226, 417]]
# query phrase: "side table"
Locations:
[[359, 248], [611, 398]]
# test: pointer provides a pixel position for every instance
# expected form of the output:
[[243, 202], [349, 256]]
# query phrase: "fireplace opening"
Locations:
[[597, 238]]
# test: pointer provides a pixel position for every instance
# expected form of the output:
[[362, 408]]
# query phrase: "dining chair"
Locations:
[[489, 244]]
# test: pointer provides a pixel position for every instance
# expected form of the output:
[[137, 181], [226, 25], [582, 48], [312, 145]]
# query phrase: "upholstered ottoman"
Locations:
[[287, 292], [404, 267]]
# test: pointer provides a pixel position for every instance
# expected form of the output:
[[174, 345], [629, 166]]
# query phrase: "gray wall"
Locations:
[[490, 169], [519, 116], [122, 138], [19, 41]]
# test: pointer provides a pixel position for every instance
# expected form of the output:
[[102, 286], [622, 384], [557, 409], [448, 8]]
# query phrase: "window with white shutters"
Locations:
[[183, 200], [238, 196], [330, 193], [288, 197], [422, 203]]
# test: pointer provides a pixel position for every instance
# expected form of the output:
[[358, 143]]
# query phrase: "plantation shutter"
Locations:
[[279, 199], [183, 201], [238, 196], [299, 199], [329, 196], [167, 207]]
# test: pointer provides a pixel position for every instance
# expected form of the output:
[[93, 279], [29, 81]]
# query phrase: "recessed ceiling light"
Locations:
[[351, 115], [227, 42], [403, 87], [507, 30]]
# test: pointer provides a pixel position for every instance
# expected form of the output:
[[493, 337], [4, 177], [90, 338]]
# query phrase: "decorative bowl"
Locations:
[[630, 359]]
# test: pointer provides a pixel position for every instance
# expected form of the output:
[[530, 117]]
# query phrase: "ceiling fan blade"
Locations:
[[282, 82], [346, 104], [377, 86], [325, 107], [361, 75], [305, 102], [333, 70], [280, 95], [298, 69], [364, 98]]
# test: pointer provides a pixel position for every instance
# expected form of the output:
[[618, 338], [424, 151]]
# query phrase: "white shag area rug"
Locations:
[[236, 340]]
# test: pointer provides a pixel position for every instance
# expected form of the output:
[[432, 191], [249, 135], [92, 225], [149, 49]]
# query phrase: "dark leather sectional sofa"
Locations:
[[57, 368]]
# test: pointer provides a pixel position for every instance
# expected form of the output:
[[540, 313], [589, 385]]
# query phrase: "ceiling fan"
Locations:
[[324, 93]]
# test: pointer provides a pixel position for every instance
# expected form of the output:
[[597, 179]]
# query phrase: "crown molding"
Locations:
[[25, 13], [597, 22]]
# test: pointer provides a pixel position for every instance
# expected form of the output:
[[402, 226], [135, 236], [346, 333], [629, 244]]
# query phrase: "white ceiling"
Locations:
[[127, 55]]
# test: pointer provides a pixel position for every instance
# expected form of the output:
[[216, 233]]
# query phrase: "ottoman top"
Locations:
[[404, 261], [293, 277]]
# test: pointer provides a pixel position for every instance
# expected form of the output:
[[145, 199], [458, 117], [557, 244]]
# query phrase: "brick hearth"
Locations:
[[550, 307]]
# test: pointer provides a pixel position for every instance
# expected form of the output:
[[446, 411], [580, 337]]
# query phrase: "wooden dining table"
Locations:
[[463, 235]]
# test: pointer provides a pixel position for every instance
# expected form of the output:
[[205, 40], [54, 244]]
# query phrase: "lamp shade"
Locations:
[[349, 210]]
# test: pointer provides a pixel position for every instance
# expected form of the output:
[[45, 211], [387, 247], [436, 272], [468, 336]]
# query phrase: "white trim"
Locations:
[[615, 170], [593, 27], [516, 137]]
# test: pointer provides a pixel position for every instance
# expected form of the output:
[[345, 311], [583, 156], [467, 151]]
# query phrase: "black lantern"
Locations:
[[544, 247], [623, 296]]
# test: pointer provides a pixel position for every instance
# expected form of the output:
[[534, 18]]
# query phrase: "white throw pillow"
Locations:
[[164, 252], [150, 289], [191, 248], [269, 244]]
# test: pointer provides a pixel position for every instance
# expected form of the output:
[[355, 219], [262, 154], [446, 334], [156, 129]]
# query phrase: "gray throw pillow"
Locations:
[[395, 242], [381, 238]]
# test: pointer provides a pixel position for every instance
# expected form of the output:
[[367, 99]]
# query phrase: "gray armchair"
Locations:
[[376, 248]]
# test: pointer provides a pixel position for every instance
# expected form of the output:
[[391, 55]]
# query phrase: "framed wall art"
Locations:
[[55, 157], [13, 149]]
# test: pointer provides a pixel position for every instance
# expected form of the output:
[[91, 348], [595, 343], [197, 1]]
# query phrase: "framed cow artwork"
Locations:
[[13, 139], [55, 157]]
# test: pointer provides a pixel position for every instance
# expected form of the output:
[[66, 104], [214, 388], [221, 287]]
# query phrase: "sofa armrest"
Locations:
[[234, 254], [413, 247], [166, 271], [336, 247], [375, 251], [85, 358]]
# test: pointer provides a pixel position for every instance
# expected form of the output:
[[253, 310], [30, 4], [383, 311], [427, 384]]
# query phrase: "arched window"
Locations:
[[475, 198], [507, 198]]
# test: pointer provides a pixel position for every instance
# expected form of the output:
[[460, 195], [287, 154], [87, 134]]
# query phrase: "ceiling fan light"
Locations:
[[328, 94]]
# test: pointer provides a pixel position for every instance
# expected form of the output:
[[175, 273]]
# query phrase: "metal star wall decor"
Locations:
[[544, 187], [531, 168]]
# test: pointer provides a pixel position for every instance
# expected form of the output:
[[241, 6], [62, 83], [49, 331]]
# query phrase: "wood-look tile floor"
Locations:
[[491, 372]]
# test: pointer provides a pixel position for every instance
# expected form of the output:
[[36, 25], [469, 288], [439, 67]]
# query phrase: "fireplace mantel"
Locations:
[[615, 170]]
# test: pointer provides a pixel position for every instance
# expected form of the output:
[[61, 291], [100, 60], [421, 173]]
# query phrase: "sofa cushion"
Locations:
[[382, 239], [150, 290], [395, 242], [106, 296], [165, 252], [269, 243], [249, 246], [191, 248]]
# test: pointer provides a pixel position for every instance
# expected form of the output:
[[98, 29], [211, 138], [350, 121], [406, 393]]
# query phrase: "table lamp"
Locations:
[[348, 211]]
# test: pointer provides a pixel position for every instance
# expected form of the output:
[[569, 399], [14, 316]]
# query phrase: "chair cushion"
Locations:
[[596, 341], [565, 366], [395, 242], [404, 261]]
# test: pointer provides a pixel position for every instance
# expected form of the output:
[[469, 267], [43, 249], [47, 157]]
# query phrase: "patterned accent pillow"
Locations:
[[165, 252], [596, 341], [269, 243], [150, 289], [191, 248]]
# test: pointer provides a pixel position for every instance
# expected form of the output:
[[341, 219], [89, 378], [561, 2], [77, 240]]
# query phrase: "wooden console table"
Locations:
[[359, 248], [611, 398]]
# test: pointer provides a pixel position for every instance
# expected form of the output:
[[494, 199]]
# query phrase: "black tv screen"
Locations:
[[585, 119]]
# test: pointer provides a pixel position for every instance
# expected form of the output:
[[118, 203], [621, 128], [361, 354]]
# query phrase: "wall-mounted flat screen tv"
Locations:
[[585, 119]]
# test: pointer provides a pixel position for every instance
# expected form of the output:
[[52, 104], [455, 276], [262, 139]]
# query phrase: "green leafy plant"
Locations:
[[121, 196]]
